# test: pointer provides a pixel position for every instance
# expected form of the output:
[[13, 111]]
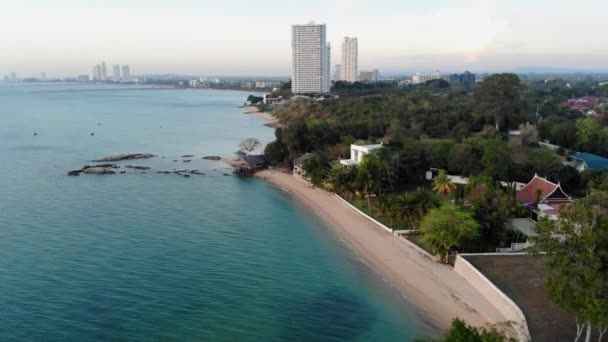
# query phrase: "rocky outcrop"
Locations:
[[212, 158], [186, 160], [188, 156], [137, 167], [74, 173], [127, 156], [98, 171]]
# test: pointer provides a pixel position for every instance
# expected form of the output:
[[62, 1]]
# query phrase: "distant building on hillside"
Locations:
[[357, 152], [83, 78], [13, 77], [464, 78], [419, 78], [350, 60], [267, 84], [310, 59], [369, 76]]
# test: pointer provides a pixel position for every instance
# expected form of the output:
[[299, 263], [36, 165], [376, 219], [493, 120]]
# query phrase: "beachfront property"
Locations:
[[298, 164], [543, 198], [357, 152], [310, 59]]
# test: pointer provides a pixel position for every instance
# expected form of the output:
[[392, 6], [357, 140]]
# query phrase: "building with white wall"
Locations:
[[357, 152], [350, 60], [419, 78], [310, 59]]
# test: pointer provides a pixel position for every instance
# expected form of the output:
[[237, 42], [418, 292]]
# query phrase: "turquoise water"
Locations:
[[146, 257]]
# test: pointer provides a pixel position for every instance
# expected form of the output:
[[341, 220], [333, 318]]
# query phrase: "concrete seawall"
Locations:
[[493, 294]]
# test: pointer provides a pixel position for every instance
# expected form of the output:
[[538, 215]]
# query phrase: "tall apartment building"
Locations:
[[350, 59], [116, 73], [13, 77], [126, 73], [419, 78], [104, 72], [310, 59]]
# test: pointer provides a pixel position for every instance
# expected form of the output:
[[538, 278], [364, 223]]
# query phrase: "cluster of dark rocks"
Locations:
[[107, 168]]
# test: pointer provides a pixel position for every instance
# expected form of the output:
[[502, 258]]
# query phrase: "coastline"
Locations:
[[270, 120], [435, 289]]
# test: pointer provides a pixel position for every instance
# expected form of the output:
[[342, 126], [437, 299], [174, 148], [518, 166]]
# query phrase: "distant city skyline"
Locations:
[[209, 38]]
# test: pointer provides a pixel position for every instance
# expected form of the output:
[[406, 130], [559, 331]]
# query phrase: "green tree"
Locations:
[[459, 331], [316, 169], [544, 163], [411, 207], [276, 151], [437, 154], [496, 160], [576, 248], [463, 160], [498, 98], [446, 227]]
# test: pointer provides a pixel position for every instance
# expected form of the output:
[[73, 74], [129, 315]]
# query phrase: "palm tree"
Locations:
[[442, 184], [386, 207], [406, 210]]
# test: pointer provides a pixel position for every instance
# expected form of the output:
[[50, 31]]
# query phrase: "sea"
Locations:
[[144, 256]]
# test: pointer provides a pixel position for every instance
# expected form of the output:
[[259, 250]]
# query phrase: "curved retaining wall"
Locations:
[[495, 296], [383, 227]]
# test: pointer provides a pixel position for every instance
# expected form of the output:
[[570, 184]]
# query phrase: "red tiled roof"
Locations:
[[528, 193]]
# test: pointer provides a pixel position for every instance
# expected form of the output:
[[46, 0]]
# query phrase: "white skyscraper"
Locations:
[[104, 72], [116, 73], [126, 73], [310, 58], [350, 60]]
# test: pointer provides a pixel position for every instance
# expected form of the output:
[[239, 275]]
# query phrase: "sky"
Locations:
[[252, 38]]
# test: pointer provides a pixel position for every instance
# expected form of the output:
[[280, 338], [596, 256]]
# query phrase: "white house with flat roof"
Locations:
[[357, 152]]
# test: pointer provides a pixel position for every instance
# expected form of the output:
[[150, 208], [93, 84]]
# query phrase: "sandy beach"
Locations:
[[434, 288], [270, 120]]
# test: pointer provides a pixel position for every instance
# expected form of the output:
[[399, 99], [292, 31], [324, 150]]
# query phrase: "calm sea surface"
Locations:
[[147, 257]]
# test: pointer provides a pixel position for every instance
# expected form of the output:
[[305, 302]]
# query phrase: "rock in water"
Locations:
[[98, 171], [128, 156], [74, 173], [212, 158], [186, 160], [137, 167], [188, 156]]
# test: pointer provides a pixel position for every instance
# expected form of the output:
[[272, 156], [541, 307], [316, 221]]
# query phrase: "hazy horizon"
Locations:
[[67, 37]]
